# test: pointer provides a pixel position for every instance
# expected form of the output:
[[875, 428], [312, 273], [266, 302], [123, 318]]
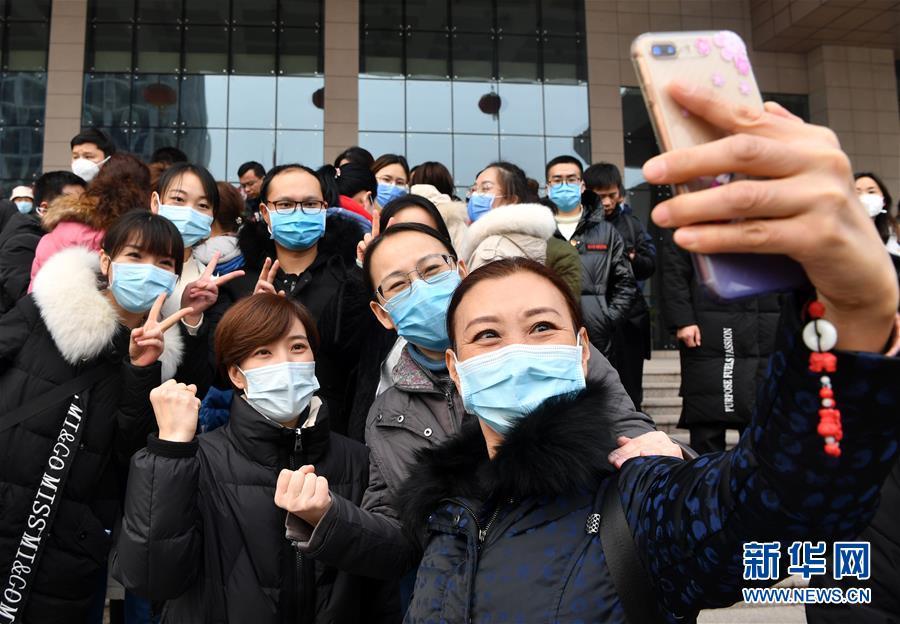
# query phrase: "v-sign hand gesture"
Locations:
[[203, 293], [362, 245], [266, 282], [147, 342]]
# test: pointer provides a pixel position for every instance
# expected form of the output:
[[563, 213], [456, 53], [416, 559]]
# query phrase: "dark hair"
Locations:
[[50, 185], [513, 180], [386, 160], [546, 201], [392, 231], [884, 222], [256, 321], [603, 175], [406, 201], [148, 232], [562, 160], [122, 185], [330, 192], [355, 154], [97, 137], [274, 172], [506, 267], [355, 178], [435, 174], [176, 171], [231, 207], [253, 166], [168, 155]]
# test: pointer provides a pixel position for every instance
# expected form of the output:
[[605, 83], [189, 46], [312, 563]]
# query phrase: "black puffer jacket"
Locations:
[[18, 240], [202, 532], [719, 378], [608, 289], [66, 327]]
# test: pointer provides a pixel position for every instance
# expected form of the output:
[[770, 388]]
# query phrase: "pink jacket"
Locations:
[[66, 234]]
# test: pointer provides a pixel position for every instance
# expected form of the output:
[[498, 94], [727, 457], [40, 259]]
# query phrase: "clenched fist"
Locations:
[[177, 408], [303, 493]]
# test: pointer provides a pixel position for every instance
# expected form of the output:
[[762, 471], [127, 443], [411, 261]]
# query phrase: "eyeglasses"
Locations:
[[307, 206], [429, 269], [572, 179]]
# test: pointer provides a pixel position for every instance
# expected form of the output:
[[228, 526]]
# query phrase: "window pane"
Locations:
[[27, 43], [423, 147], [476, 16], [296, 146], [471, 152], [144, 141], [387, 14], [206, 49], [527, 152], [427, 55], [564, 60], [111, 10], [303, 14], [428, 106], [467, 117], [381, 104], [259, 12], [154, 101], [426, 14], [473, 56], [299, 52], [21, 152], [517, 17], [159, 11], [29, 9], [206, 12], [383, 142], [563, 17], [207, 148], [382, 53], [244, 145], [22, 99], [110, 47], [521, 111], [565, 110], [518, 55], [295, 105], [253, 50], [107, 100], [251, 103], [204, 102], [158, 48], [579, 146]]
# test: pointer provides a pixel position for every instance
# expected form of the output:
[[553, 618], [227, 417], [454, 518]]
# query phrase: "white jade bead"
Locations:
[[819, 335]]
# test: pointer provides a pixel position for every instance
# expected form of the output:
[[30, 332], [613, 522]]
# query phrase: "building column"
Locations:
[[605, 113], [853, 91], [341, 76], [65, 81]]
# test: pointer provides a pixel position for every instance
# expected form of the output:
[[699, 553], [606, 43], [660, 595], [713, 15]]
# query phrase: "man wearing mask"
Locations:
[[250, 177], [91, 148], [631, 344], [608, 286]]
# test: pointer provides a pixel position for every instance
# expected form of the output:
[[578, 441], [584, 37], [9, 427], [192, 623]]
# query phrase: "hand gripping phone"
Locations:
[[719, 60]]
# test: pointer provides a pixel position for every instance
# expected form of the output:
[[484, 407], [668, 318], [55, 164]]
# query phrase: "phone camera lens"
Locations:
[[657, 50], [663, 50]]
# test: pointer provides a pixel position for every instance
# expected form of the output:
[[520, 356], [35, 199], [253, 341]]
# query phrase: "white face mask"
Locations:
[[874, 204], [86, 169], [281, 391]]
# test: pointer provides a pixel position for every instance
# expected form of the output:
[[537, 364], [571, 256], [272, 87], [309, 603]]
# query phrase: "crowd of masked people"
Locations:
[[345, 394]]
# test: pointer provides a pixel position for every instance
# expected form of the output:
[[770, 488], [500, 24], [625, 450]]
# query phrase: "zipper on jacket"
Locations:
[[483, 532], [298, 556]]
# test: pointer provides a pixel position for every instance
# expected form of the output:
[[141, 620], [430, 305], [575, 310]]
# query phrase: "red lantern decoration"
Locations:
[[318, 98], [160, 95], [489, 104]]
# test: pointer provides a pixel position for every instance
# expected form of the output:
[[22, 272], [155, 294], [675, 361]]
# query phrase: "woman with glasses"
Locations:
[[297, 250], [392, 173]]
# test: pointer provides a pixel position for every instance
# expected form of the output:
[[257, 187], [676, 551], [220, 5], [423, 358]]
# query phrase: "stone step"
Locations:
[[684, 436], [664, 354], [661, 377], [662, 402], [655, 390]]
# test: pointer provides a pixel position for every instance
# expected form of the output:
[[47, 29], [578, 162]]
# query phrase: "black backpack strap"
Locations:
[[56, 396], [632, 583]]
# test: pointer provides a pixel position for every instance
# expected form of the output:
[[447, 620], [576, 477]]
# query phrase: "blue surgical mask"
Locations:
[[503, 386], [193, 225], [24, 206], [479, 204], [136, 286], [297, 230], [387, 192], [566, 196], [421, 314], [281, 391]]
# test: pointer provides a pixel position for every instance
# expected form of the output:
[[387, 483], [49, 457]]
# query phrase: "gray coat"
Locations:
[[419, 411]]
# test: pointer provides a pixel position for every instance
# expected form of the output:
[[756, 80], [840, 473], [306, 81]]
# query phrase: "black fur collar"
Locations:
[[559, 448]]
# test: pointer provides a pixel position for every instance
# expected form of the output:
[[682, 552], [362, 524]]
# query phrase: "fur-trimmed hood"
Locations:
[[78, 316], [528, 220], [453, 211], [80, 209], [559, 448]]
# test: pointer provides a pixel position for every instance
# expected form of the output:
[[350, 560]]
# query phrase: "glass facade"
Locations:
[[226, 82], [465, 82], [24, 40]]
